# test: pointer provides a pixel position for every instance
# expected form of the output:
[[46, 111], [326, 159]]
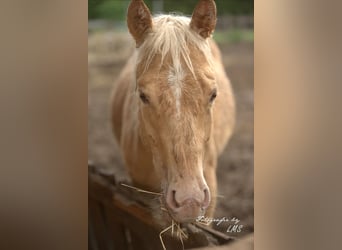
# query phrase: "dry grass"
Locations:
[[140, 190], [180, 234]]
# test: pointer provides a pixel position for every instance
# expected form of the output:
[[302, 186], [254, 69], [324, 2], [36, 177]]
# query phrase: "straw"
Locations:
[[179, 232], [140, 190]]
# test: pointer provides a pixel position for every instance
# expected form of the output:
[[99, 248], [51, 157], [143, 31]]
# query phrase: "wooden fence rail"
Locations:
[[119, 220]]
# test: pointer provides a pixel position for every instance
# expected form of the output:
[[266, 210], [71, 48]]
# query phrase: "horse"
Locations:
[[173, 109]]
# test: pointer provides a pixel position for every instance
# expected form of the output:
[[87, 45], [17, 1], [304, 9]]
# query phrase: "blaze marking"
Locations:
[[175, 79]]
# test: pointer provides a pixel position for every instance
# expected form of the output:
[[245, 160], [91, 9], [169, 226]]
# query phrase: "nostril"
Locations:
[[171, 200], [206, 200], [174, 198]]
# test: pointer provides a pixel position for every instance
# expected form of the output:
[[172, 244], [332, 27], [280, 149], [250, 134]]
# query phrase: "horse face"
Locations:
[[175, 120], [176, 89]]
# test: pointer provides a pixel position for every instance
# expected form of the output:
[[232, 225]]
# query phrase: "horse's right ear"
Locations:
[[139, 20]]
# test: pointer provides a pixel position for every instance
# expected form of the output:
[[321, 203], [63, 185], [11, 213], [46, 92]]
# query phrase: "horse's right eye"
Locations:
[[143, 98], [213, 95]]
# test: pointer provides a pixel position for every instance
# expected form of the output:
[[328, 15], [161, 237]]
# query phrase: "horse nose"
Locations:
[[187, 205]]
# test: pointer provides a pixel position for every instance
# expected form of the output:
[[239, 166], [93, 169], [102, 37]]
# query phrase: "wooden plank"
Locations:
[[98, 225], [126, 211], [92, 245], [116, 232], [244, 243], [142, 235]]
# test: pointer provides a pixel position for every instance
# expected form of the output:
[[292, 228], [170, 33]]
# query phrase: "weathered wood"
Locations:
[[121, 219], [116, 231], [99, 226], [245, 243]]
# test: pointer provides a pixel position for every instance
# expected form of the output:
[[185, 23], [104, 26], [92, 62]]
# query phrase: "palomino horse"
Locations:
[[173, 108]]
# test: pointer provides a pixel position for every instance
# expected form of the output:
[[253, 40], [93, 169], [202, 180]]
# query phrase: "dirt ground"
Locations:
[[107, 53]]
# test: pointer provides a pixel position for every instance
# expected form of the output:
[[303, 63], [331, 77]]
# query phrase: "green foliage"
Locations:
[[116, 9], [112, 9], [92, 8], [223, 6], [234, 36]]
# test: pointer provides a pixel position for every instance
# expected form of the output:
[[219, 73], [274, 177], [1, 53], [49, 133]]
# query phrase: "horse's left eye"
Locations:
[[213, 96], [143, 98]]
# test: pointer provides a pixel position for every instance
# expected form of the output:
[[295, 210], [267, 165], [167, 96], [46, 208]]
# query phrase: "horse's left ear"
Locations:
[[139, 20], [203, 19]]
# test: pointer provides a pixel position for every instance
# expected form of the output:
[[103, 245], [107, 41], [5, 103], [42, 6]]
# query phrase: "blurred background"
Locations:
[[110, 45], [297, 126]]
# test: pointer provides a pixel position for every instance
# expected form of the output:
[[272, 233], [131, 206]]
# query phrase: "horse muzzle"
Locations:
[[187, 205]]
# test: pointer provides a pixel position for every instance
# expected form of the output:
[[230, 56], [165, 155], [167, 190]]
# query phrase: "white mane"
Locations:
[[171, 35]]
